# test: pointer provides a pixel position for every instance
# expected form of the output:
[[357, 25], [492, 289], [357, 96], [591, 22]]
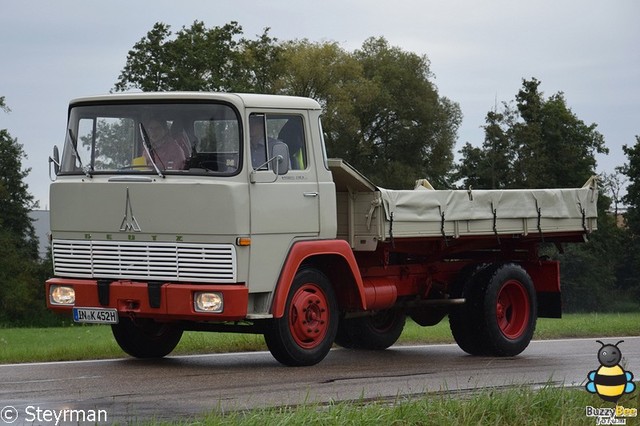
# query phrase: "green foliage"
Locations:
[[588, 271], [539, 144], [491, 165], [408, 130], [628, 278], [21, 291], [382, 114], [14, 196], [632, 198], [200, 59]]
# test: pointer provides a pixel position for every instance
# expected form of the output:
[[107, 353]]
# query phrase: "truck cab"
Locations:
[[139, 230]]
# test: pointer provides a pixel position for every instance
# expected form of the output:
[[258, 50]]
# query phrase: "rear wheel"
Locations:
[[304, 335], [374, 332], [499, 316], [146, 338], [463, 318]]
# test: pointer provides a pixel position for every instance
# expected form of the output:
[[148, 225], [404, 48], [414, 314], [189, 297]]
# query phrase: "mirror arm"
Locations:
[[56, 163], [280, 158], [56, 166]]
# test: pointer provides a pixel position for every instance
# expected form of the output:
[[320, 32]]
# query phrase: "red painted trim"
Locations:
[[545, 275], [176, 300], [304, 250]]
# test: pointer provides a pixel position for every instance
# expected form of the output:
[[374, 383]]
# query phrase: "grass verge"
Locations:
[[515, 406], [96, 342]]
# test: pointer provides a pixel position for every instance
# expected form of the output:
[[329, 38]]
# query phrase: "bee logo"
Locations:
[[610, 381]]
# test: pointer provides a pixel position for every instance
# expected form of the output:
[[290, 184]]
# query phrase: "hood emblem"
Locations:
[[129, 222]]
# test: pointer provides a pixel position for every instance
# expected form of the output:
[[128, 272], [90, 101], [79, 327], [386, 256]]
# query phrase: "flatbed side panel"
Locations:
[[455, 213]]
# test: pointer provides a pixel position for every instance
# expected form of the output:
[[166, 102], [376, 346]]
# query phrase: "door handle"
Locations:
[[310, 194]]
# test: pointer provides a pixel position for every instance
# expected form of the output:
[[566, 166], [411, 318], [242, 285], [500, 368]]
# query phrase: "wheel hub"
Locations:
[[512, 309], [308, 316]]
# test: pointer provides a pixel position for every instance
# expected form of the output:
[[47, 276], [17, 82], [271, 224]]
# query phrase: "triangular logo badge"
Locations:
[[129, 222]]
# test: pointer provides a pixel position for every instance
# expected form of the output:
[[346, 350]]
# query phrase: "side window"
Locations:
[[274, 128], [290, 130], [257, 141]]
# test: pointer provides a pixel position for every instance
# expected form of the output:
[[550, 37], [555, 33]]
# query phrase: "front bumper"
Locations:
[[160, 301]]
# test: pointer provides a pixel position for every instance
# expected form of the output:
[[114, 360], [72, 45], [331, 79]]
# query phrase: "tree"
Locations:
[[614, 185], [381, 112], [556, 148], [490, 166], [21, 292], [148, 63], [632, 198], [628, 278], [200, 59], [333, 77], [546, 144], [14, 195], [408, 129]]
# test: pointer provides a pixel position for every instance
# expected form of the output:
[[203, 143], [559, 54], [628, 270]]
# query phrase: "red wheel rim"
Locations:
[[512, 309], [309, 316]]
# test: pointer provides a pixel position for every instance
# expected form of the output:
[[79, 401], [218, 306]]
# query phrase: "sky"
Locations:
[[54, 51]]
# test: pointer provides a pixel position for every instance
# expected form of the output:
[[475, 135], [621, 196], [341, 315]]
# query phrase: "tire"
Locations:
[[462, 318], [305, 333], [146, 338], [499, 316], [376, 332]]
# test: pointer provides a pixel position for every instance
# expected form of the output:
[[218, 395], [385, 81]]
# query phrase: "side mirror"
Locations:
[[56, 162], [280, 158]]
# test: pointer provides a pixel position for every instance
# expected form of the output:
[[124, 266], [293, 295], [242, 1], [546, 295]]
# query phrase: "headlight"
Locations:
[[62, 295], [208, 302]]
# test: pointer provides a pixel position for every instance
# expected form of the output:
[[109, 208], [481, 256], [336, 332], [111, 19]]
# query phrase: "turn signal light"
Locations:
[[243, 241]]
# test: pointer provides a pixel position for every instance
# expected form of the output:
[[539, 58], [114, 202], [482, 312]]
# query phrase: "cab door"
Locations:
[[286, 204], [283, 208]]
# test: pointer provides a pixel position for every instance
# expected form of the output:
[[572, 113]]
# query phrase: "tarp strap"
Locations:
[[495, 221], [393, 244], [444, 235], [584, 218], [539, 210]]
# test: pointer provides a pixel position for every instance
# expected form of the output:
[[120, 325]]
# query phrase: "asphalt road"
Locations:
[[175, 387]]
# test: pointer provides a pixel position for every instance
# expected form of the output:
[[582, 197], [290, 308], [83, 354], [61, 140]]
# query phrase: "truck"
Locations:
[[255, 230]]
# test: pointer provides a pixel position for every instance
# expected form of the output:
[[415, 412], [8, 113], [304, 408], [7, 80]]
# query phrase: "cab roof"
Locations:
[[245, 100]]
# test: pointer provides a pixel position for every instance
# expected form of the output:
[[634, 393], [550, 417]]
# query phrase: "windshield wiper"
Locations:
[[148, 148], [74, 142]]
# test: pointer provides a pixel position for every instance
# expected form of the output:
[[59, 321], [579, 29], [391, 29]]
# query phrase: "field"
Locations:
[[95, 342]]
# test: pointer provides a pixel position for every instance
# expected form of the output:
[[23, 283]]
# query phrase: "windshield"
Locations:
[[152, 138]]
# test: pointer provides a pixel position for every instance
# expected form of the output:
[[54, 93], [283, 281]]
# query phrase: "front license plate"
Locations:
[[95, 315]]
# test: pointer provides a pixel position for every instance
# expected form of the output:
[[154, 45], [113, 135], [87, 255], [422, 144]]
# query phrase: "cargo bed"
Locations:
[[368, 214]]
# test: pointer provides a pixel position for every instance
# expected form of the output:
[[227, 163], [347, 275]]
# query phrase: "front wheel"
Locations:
[[146, 338], [306, 331]]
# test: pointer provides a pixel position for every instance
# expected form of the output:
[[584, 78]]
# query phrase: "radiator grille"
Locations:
[[145, 260]]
